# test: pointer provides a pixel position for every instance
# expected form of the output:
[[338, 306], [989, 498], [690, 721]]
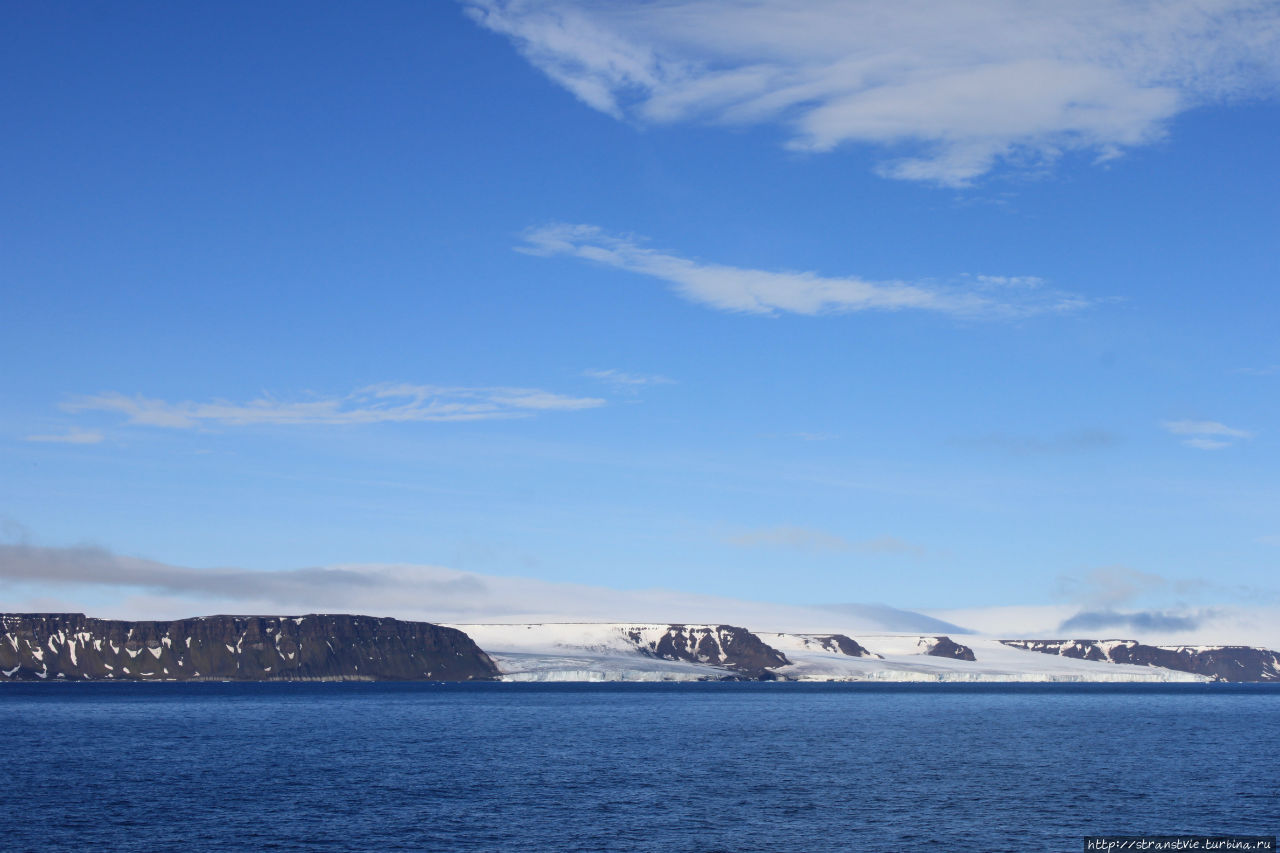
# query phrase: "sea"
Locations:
[[643, 767]]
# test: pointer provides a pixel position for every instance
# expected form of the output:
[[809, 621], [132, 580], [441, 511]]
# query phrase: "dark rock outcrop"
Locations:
[[840, 644], [1222, 663], [734, 648], [326, 647], [945, 647]]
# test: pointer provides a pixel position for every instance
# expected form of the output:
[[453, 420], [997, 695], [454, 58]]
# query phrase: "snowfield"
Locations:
[[903, 659], [584, 651], [587, 651]]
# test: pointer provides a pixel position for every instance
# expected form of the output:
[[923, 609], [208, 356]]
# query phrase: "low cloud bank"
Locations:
[[1143, 621], [1221, 624], [101, 583]]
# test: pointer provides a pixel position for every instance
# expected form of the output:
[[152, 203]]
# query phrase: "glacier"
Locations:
[[600, 652]]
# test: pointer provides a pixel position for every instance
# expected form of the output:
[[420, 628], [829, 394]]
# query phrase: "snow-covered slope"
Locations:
[[901, 657], [625, 652], [1230, 663], [653, 652]]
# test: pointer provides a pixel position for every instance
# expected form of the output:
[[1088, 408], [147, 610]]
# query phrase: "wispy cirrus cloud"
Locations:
[[386, 403], [1269, 370], [627, 381], [1205, 435], [753, 291], [71, 436], [946, 90], [811, 436]]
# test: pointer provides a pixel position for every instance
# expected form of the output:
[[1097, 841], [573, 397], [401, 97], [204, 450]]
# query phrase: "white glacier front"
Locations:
[[903, 658], [584, 651], [595, 652]]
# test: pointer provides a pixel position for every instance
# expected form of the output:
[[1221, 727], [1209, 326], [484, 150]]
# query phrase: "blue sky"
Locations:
[[808, 302]]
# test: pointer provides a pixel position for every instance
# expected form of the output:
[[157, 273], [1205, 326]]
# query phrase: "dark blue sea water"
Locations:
[[697, 767]]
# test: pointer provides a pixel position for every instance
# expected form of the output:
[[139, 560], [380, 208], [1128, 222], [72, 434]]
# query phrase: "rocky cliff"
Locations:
[[837, 644], [1224, 663], [945, 647], [71, 646], [734, 648]]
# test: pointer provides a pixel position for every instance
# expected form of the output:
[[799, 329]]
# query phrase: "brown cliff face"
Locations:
[[1223, 663], [324, 647]]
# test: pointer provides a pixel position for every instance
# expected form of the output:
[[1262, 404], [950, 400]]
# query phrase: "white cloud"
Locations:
[[1205, 435], [755, 291], [1204, 428], [622, 380], [812, 436], [947, 89], [71, 436], [387, 403], [1269, 370]]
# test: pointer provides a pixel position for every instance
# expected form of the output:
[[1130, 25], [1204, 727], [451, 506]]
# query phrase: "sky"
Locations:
[[941, 306]]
